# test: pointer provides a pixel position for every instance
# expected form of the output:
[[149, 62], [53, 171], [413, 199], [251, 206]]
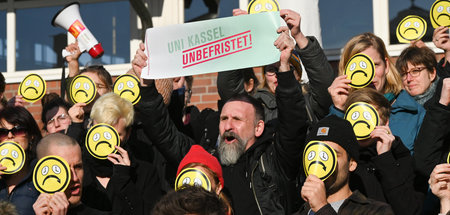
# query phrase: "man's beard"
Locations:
[[229, 153]]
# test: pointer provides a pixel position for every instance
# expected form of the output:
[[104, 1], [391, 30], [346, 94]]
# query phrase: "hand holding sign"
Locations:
[[441, 38], [339, 91], [314, 192], [384, 138]]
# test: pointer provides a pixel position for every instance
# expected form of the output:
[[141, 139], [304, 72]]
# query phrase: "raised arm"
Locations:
[[291, 133], [158, 126], [319, 71]]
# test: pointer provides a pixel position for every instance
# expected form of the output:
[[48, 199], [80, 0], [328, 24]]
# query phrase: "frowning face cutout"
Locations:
[[440, 13], [319, 159], [32, 88], [51, 174], [101, 140], [363, 117], [258, 6], [82, 89], [192, 177], [411, 28], [12, 156], [361, 70], [127, 86]]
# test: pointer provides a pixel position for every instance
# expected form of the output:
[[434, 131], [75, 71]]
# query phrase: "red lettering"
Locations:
[[210, 50], [205, 51], [232, 41], [216, 49], [199, 55], [239, 41], [185, 59], [191, 57], [227, 46], [245, 39]]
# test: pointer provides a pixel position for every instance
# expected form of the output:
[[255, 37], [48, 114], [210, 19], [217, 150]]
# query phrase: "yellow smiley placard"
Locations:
[[440, 13], [32, 88], [319, 159], [101, 140], [360, 69], [51, 174], [258, 6], [82, 89], [411, 28], [363, 117], [127, 86], [448, 158], [12, 156], [192, 177]]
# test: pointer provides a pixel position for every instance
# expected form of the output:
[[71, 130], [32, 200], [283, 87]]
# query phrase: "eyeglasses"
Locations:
[[60, 118], [414, 72], [15, 131]]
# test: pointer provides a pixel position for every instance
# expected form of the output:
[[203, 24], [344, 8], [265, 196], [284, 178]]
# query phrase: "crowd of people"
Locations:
[[246, 157]]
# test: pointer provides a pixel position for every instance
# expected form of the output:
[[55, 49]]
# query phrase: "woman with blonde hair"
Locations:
[[406, 114]]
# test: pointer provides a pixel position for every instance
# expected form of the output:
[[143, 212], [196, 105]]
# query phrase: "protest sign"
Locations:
[[211, 46]]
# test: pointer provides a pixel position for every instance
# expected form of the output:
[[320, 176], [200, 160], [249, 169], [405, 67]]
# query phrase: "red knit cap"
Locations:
[[199, 155]]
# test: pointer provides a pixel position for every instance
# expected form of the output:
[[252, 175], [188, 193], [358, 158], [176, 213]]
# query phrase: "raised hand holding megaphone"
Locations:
[[69, 18]]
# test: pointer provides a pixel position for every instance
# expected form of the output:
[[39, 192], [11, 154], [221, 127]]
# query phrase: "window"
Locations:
[[2, 41], [343, 19], [197, 8], [399, 9], [110, 24], [38, 43]]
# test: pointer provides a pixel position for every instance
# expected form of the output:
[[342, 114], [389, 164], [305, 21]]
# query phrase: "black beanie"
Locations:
[[337, 130]]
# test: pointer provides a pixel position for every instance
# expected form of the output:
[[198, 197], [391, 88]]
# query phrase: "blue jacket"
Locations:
[[405, 119], [23, 195]]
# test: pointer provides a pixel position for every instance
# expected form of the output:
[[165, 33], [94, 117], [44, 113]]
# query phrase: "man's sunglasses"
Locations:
[[16, 131]]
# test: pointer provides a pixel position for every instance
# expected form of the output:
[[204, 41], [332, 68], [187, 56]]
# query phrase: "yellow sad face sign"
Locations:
[[440, 13], [319, 159], [101, 140], [127, 86], [411, 28], [192, 177], [361, 70], [363, 117], [258, 6], [82, 89], [32, 88], [51, 174], [12, 156]]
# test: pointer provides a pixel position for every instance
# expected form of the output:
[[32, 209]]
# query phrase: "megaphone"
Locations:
[[69, 18]]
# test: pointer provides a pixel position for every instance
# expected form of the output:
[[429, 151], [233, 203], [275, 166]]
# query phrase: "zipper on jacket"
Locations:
[[253, 189]]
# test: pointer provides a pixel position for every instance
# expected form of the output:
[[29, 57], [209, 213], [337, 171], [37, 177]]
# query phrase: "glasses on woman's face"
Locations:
[[60, 118], [15, 131], [413, 72]]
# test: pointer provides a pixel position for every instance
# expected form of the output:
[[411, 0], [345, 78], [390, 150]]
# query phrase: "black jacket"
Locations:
[[388, 177], [356, 204], [320, 75], [268, 166], [131, 190], [433, 140]]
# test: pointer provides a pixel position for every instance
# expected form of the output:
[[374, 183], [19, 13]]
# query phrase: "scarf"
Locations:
[[424, 97]]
